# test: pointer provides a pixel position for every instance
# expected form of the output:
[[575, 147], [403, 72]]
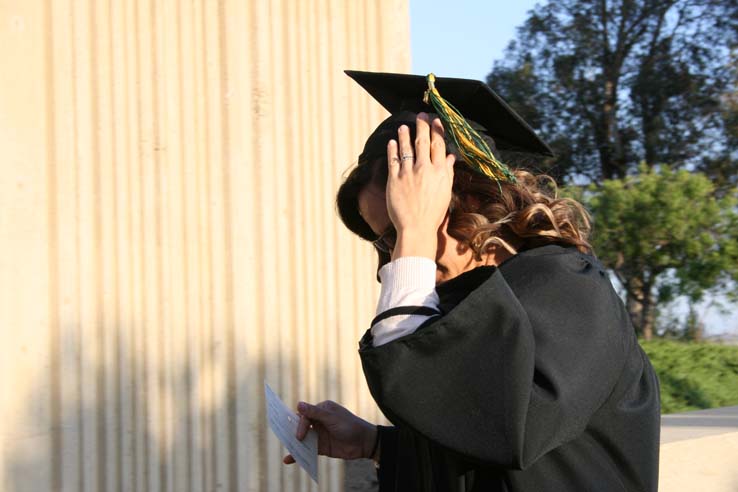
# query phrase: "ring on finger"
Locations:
[[407, 156]]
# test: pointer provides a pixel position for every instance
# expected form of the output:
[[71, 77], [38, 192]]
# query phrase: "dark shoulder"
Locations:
[[552, 254], [555, 273], [528, 273]]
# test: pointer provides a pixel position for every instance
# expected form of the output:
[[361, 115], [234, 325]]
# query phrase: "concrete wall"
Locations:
[[168, 235]]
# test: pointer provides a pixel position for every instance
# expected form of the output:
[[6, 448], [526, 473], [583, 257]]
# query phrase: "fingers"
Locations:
[[393, 160], [429, 145], [450, 161], [312, 411], [309, 413], [407, 154], [302, 428], [288, 460], [422, 138], [437, 144]]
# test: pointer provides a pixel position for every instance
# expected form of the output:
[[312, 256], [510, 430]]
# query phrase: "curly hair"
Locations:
[[483, 214], [515, 216]]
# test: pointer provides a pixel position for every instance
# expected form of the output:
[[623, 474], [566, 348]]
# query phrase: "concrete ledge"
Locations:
[[699, 451]]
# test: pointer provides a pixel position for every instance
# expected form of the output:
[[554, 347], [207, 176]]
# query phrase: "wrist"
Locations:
[[412, 242]]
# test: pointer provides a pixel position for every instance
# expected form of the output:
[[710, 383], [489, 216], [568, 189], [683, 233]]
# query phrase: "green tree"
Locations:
[[611, 83], [665, 234]]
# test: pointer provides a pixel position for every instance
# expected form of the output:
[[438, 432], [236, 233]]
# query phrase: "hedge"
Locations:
[[694, 375]]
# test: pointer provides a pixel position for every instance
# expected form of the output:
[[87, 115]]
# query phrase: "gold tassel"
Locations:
[[471, 145]]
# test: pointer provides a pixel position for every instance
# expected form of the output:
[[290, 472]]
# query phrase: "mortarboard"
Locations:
[[480, 106]]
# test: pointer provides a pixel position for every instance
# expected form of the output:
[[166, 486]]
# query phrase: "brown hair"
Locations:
[[515, 216], [483, 213]]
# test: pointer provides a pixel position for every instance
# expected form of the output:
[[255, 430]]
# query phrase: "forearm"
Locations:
[[416, 242]]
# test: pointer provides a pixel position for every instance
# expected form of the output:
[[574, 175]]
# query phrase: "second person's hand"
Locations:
[[341, 434]]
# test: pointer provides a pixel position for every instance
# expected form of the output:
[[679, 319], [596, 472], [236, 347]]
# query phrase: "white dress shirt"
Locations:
[[407, 299]]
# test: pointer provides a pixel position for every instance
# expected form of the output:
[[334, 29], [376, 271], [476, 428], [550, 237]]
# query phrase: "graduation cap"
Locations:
[[480, 110]]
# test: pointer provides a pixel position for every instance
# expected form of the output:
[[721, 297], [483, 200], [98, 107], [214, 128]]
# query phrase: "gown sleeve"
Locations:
[[514, 370]]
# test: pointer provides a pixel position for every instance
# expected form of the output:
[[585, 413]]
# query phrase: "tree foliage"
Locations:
[[611, 83], [665, 234]]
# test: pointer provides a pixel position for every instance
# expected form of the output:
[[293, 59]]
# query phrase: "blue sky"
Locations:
[[462, 38]]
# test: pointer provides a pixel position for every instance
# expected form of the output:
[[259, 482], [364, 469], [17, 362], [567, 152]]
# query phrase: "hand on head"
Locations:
[[419, 185]]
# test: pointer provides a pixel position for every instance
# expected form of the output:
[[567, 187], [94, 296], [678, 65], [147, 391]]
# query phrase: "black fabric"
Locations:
[[387, 471], [396, 311], [532, 380]]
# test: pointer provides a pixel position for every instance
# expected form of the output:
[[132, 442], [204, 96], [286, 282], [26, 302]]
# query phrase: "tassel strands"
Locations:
[[471, 145]]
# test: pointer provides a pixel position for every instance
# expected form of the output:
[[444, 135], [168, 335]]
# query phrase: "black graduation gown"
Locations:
[[531, 380]]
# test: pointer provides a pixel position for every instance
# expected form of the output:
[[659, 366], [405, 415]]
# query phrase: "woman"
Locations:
[[500, 350]]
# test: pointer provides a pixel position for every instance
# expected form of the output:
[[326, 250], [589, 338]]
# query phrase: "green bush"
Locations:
[[694, 375]]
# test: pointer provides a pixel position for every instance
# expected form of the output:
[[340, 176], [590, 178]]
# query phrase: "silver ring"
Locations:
[[408, 156]]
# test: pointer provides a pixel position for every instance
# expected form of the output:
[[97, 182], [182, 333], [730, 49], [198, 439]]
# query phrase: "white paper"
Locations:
[[283, 423]]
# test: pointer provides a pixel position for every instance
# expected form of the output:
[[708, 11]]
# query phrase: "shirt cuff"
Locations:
[[407, 299], [408, 281]]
